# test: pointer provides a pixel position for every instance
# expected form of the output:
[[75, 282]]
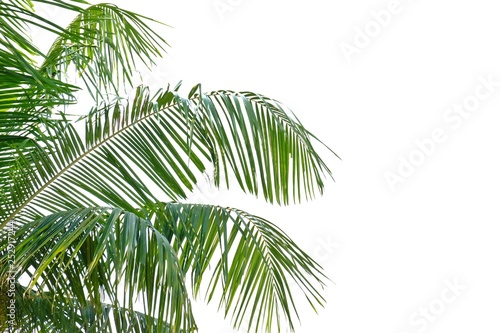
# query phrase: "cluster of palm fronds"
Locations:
[[103, 240]]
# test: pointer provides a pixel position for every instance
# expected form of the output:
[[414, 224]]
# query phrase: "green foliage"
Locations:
[[100, 229]]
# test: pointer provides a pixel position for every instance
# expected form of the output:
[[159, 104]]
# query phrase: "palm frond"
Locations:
[[22, 84], [256, 264], [164, 142], [75, 259], [103, 45], [167, 138]]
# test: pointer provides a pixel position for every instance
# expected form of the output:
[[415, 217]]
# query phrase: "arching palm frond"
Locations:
[[22, 84], [84, 255], [134, 156], [256, 264], [92, 207], [75, 259], [241, 133], [103, 45]]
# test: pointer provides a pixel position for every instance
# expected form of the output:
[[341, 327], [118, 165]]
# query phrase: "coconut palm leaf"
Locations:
[[153, 147], [122, 253], [22, 84], [78, 257], [161, 142], [95, 205], [103, 45], [252, 256]]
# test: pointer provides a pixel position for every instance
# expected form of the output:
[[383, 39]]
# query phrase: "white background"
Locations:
[[389, 252]]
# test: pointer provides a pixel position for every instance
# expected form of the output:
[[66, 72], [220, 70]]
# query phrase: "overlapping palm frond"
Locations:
[[252, 256], [103, 45], [165, 142], [23, 85], [77, 258], [101, 233], [244, 134]]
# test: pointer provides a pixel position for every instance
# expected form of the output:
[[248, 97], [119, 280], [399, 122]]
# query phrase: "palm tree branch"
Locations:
[[256, 264], [151, 129], [115, 250]]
